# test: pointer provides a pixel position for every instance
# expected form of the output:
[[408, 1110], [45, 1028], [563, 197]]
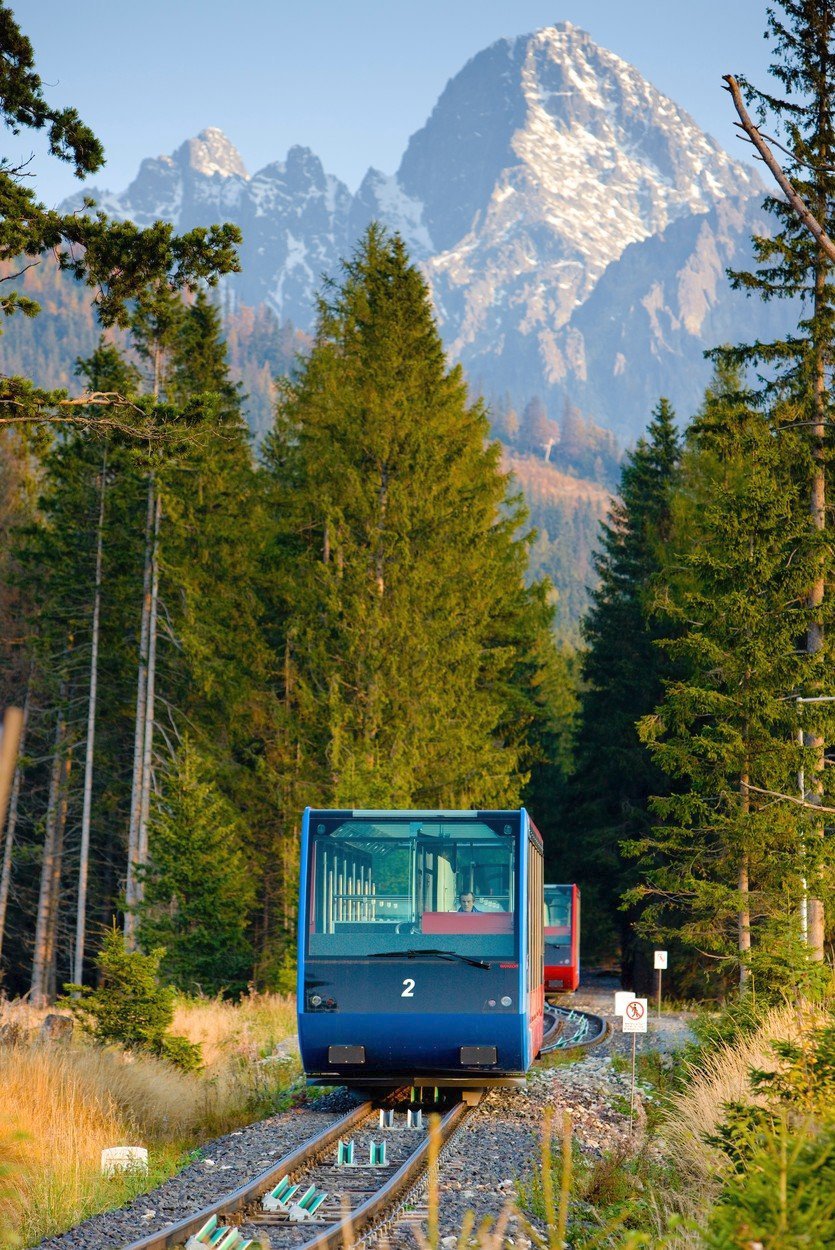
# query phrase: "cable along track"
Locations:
[[352, 1199], [572, 1030]]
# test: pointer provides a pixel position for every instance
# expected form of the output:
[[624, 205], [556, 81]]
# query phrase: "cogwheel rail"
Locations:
[[308, 1201]]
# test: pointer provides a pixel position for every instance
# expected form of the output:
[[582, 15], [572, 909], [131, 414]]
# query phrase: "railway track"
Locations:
[[354, 1196], [350, 1198]]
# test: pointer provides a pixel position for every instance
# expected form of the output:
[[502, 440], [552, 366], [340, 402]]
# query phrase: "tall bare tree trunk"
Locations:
[[14, 738], [53, 914], [139, 724], [744, 915], [84, 854], [39, 960], [148, 751], [814, 633]]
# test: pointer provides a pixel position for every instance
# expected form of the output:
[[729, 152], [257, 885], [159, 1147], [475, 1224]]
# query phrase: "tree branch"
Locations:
[[809, 220], [30, 414], [789, 798]]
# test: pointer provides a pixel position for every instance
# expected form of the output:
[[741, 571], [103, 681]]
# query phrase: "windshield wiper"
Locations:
[[428, 950]]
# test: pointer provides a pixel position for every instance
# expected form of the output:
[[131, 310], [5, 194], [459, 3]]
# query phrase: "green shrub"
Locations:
[[184, 1054], [780, 1185], [130, 1008], [781, 1193]]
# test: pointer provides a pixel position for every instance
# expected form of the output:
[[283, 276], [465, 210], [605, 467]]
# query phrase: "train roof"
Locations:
[[420, 811]]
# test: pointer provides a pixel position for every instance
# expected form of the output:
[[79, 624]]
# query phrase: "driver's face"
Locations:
[[467, 902]]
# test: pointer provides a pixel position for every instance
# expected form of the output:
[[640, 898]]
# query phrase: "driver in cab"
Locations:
[[467, 901]]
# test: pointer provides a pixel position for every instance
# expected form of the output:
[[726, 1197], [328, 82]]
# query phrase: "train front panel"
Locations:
[[412, 947]]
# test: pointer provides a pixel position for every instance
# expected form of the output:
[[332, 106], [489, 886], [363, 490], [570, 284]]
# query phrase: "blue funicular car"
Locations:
[[420, 947]]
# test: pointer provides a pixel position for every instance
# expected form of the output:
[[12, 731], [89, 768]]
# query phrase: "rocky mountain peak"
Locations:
[[211, 153]]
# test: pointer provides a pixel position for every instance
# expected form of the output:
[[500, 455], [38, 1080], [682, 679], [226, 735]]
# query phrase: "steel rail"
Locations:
[[177, 1234], [356, 1223]]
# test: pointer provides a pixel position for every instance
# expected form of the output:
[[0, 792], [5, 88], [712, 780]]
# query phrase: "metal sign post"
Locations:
[[634, 1022], [660, 965]]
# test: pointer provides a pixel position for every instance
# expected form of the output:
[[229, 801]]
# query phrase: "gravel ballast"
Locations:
[[498, 1145]]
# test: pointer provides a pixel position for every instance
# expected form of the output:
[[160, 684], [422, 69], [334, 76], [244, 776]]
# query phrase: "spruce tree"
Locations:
[[623, 675], [397, 571], [725, 857], [200, 887]]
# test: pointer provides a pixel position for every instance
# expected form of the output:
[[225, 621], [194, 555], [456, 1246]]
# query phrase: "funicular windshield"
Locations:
[[558, 924], [382, 884]]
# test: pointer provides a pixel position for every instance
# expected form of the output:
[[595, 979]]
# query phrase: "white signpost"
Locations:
[[622, 997], [634, 1022], [660, 965], [635, 1016]]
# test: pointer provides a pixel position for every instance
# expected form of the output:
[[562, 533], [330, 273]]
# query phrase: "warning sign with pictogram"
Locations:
[[635, 1016]]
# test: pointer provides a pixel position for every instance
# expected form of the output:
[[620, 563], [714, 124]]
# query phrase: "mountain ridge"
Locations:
[[545, 159]]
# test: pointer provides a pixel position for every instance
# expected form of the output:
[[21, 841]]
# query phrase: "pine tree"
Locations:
[[199, 362], [725, 855], [397, 573], [623, 674], [119, 260]]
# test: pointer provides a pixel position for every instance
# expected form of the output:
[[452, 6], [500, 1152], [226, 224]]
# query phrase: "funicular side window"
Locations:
[[558, 924], [382, 884]]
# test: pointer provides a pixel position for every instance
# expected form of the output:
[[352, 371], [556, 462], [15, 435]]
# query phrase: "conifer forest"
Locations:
[[251, 564], [202, 633]]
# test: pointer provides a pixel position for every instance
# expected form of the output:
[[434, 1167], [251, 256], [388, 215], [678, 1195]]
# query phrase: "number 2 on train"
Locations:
[[409, 988]]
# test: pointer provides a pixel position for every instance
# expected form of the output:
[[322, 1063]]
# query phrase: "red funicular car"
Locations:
[[562, 938]]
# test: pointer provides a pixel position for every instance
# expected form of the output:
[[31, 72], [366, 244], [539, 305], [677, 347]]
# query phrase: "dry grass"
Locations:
[[64, 1104], [723, 1077], [62, 1108], [251, 1027]]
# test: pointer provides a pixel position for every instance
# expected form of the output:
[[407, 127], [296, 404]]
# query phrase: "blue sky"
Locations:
[[351, 80]]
